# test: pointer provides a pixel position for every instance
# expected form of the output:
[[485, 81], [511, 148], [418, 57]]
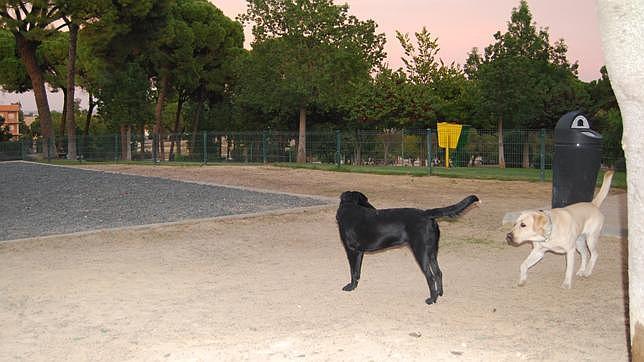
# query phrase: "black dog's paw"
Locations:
[[430, 301], [349, 287]]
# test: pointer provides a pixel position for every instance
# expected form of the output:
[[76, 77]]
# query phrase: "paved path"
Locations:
[[39, 199]]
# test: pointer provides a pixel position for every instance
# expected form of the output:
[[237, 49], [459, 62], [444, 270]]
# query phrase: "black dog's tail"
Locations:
[[452, 210]]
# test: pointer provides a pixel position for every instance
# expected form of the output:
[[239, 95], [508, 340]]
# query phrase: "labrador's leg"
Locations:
[[532, 259], [593, 237], [570, 265], [585, 255]]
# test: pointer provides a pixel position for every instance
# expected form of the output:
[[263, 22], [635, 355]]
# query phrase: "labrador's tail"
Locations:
[[453, 210], [603, 192]]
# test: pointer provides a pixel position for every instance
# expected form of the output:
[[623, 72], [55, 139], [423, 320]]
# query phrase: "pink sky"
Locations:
[[459, 25]]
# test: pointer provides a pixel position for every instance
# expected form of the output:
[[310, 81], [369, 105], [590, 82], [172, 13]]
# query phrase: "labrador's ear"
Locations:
[[364, 201], [539, 222]]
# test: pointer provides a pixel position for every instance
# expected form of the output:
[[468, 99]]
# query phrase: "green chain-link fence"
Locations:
[[404, 148]]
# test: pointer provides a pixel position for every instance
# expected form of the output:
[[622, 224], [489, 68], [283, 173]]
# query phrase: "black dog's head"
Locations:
[[356, 198]]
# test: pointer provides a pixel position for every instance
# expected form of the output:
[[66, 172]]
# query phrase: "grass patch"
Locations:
[[480, 173]]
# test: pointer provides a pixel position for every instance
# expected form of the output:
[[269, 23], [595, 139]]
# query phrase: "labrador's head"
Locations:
[[355, 197], [530, 226]]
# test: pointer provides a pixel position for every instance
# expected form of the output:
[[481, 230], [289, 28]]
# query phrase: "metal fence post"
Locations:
[[78, 150], [338, 146], [205, 148], [48, 150], [429, 151], [154, 148], [264, 146], [402, 152], [22, 149], [542, 155], [116, 147]]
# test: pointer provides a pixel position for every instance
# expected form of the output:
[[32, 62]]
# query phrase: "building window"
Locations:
[[11, 116]]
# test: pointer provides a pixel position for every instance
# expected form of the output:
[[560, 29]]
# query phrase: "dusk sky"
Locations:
[[459, 26]]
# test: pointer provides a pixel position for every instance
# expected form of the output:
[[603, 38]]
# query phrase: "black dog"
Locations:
[[365, 228]]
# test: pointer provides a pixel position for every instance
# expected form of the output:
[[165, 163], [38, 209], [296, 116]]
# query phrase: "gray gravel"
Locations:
[[37, 200]]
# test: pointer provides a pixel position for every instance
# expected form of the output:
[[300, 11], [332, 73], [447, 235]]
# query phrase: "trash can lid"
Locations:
[[574, 128]]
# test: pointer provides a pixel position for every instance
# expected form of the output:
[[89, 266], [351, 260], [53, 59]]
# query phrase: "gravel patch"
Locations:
[[38, 200]]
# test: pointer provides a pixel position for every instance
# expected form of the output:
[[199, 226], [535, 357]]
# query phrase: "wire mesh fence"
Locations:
[[405, 148]]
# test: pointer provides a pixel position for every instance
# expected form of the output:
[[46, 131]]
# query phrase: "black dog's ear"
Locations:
[[355, 197], [346, 196], [364, 201]]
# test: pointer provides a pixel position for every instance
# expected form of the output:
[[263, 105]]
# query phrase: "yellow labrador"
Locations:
[[562, 230]]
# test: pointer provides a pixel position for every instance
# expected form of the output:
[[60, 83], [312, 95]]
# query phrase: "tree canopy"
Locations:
[[306, 54], [174, 65]]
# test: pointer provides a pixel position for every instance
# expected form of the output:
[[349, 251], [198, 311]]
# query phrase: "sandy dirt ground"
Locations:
[[269, 287]]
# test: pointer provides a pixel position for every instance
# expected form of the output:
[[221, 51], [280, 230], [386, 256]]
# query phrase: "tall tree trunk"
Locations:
[[125, 142], [128, 139], [525, 162], [126, 136], [179, 141], [195, 128], [61, 131], [90, 111], [88, 120], [501, 151], [358, 150], [622, 30], [162, 143], [221, 145], [27, 52], [385, 147], [71, 74], [158, 112], [63, 117], [301, 145], [142, 135], [176, 138]]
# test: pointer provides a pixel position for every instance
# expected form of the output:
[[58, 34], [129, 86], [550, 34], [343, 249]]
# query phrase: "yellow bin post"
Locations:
[[448, 135]]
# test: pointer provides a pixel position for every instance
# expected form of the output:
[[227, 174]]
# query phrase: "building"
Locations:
[[11, 115]]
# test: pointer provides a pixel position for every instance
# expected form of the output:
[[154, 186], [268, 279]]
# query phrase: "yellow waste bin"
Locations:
[[448, 135]]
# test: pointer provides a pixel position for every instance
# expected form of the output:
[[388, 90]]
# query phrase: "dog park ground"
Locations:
[[268, 286]]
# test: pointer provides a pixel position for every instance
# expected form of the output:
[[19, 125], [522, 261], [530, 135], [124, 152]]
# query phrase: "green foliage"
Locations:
[[306, 54], [34, 20], [53, 53], [607, 116], [13, 75], [522, 78], [5, 134], [118, 70], [200, 45], [418, 96], [310, 54], [420, 61], [125, 96], [127, 29]]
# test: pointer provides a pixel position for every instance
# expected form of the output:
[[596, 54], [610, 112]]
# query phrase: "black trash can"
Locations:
[[576, 161]]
